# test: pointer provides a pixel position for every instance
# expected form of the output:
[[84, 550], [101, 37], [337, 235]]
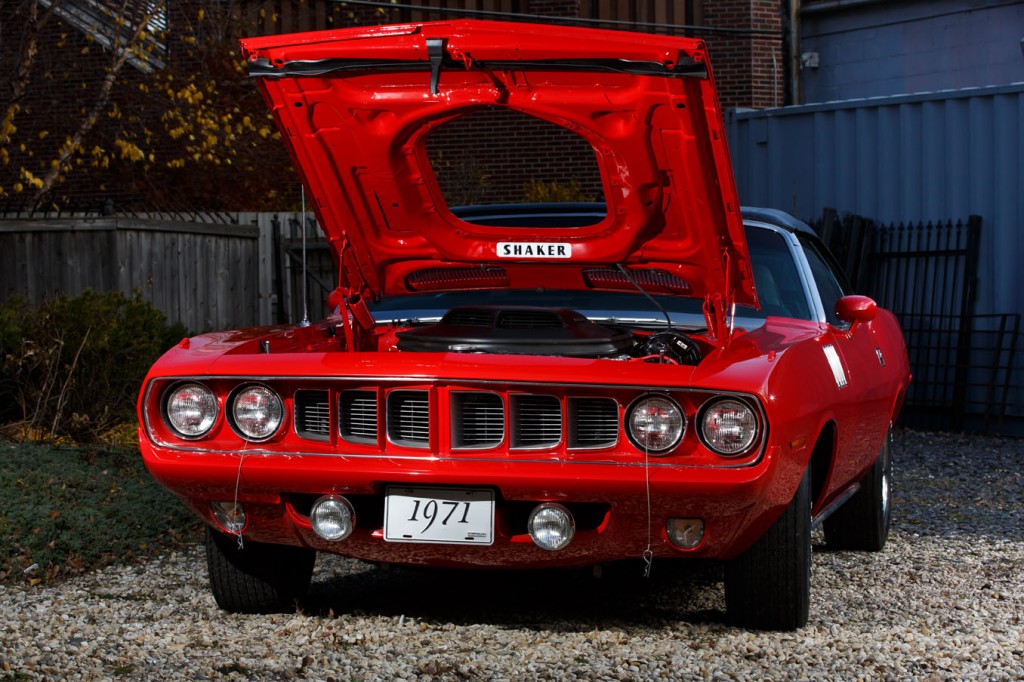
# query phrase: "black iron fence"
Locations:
[[926, 273]]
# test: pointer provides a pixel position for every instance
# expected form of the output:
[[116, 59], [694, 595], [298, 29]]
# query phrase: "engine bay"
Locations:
[[526, 330]]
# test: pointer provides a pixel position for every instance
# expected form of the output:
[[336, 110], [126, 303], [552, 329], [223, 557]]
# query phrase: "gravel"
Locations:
[[943, 601]]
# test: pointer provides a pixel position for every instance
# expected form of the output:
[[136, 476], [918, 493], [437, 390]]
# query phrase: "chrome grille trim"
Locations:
[[535, 421], [478, 420], [408, 422], [312, 414], [593, 423], [357, 416]]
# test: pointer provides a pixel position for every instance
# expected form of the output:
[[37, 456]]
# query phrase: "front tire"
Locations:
[[258, 578], [862, 523], [768, 587]]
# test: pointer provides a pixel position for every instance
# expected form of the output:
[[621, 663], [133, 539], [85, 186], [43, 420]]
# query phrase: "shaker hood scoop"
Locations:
[[355, 107]]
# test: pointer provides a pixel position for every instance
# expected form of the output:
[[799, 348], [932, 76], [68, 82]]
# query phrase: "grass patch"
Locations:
[[70, 510]]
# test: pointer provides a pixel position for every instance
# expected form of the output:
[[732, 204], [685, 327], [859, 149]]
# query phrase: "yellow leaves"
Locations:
[[43, 134], [202, 14], [30, 180], [129, 150], [7, 127], [264, 132], [85, 50]]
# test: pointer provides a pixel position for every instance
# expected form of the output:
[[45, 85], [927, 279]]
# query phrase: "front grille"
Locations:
[[313, 415], [409, 418], [357, 416], [536, 421], [478, 420], [593, 422], [481, 419]]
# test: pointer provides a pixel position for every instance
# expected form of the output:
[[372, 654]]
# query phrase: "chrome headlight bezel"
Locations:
[[676, 423], [276, 408], [743, 418], [208, 421]]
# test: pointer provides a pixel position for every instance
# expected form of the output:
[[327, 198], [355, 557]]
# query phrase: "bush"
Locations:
[[70, 510], [72, 368]]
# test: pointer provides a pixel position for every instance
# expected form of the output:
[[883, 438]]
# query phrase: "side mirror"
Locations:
[[856, 309]]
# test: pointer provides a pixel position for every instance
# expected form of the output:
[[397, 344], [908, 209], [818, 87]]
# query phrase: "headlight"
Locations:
[[655, 424], [729, 427], [257, 412], [191, 410]]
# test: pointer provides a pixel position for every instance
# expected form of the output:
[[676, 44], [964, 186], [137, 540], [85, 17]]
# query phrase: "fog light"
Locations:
[[551, 527], [685, 533], [332, 518], [230, 515]]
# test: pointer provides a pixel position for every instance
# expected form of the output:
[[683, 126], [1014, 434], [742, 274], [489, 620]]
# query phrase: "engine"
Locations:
[[524, 330]]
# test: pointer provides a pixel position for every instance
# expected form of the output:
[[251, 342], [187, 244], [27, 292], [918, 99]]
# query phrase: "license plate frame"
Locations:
[[439, 516]]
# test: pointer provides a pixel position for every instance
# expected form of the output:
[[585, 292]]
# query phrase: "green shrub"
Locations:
[[72, 367], [70, 510]]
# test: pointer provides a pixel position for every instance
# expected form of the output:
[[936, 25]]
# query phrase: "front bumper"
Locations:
[[623, 508]]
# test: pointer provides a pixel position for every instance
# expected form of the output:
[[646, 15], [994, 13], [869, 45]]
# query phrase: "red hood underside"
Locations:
[[355, 106]]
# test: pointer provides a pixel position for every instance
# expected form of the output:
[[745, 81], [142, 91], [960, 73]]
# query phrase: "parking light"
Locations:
[[230, 515], [685, 533]]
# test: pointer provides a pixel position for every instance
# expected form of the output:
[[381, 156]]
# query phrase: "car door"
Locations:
[[858, 367]]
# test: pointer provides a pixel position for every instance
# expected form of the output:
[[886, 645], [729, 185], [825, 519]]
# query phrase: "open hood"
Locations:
[[355, 107]]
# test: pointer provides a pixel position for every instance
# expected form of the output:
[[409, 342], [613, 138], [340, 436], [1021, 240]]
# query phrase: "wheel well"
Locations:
[[821, 460]]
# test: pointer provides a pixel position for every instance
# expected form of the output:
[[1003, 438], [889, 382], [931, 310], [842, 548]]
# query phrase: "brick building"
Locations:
[[136, 157]]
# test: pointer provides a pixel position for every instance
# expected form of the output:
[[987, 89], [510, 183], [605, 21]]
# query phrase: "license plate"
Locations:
[[455, 516]]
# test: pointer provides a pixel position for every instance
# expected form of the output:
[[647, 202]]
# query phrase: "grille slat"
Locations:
[[478, 420], [528, 319], [313, 414], [536, 421], [357, 416], [409, 418], [594, 422]]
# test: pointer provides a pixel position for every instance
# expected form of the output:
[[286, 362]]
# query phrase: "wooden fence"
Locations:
[[207, 275]]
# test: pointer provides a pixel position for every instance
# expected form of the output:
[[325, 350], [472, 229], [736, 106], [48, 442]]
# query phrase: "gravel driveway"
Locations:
[[943, 601]]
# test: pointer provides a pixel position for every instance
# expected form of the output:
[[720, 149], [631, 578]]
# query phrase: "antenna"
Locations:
[[305, 274]]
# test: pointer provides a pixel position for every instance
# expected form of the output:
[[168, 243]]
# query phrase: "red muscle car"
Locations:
[[657, 376]]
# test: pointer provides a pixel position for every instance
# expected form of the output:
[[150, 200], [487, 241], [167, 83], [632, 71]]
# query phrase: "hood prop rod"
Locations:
[[305, 274]]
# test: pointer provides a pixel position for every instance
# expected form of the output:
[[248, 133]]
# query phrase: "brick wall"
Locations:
[[749, 69]]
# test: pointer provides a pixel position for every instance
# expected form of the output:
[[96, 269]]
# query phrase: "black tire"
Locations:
[[768, 587], [259, 578], [862, 523]]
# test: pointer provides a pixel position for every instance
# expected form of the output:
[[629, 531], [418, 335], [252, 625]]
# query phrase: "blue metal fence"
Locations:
[[904, 159]]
